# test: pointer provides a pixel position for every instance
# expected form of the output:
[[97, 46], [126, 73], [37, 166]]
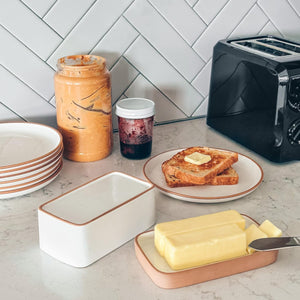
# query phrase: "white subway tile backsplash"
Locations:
[[28, 28], [153, 48], [65, 14], [202, 109], [269, 28], [221, 27], [208, 10], [182, 17], [116, 41], [164, 38], [282, 14], [201, 82], [122, 75], [163, 75], [26, 65], [21, 99], [90, 29], [251, 24], [38, 6], [192, 2], [165, 110], [6, 115], [295, 5]]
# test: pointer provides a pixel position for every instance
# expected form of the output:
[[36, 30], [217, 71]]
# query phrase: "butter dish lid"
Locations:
[[135, 108]]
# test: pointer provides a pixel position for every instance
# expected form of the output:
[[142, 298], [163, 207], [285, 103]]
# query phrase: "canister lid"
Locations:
[[135, 108]]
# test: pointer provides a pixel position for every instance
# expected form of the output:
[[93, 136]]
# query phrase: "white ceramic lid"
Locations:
[[135, 108]]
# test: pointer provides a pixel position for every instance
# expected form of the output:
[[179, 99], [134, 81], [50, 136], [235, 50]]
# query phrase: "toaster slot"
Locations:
[[262, 48], [282, 45], [268, 46]]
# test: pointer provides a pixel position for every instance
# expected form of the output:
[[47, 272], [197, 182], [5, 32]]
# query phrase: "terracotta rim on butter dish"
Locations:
[[176, 279]]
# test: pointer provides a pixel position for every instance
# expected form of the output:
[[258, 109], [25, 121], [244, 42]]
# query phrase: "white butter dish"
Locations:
[[83, 225]]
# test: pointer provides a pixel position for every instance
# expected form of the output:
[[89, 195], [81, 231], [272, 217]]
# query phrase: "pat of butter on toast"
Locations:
[[197, 158]]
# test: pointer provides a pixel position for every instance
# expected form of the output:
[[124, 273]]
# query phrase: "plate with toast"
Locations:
[[203, 174]]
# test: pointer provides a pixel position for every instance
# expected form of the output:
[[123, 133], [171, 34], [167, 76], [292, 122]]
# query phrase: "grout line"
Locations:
[[15, 37], [159, 53], [271, 21], [165, 19], [41, 19], [196, 3], [49, 9], [200, 72], [208, 24], [124, 52], [293, 8], [14, 75], [103, 36], [71, 30], [154, 86], [15, 113]]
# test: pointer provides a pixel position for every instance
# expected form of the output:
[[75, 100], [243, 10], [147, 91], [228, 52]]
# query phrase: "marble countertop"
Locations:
[[29, 273]]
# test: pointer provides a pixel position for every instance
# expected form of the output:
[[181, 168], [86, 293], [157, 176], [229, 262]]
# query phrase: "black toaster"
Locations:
[[254, 95]]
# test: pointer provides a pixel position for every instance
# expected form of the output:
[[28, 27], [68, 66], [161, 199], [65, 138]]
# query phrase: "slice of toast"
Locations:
[[193, 174], [227, 177]]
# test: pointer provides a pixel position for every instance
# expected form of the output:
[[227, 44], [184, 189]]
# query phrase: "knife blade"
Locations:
[[274, 243]]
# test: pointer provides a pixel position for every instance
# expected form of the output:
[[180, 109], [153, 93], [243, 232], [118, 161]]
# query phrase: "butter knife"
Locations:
[[267, 244]]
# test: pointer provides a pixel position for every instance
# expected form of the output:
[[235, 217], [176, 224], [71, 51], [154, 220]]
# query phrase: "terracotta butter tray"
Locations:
[[163, 276]]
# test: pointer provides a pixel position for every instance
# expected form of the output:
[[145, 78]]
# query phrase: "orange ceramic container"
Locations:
[[83, 105]]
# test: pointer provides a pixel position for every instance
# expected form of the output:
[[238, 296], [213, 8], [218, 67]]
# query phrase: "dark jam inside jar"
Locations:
[[135, 137], [138, 151]]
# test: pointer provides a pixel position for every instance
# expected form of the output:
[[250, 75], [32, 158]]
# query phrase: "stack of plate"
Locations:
[[30, 157]]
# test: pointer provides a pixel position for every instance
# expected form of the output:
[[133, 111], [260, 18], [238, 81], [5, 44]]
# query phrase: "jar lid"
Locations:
[[135, 108]]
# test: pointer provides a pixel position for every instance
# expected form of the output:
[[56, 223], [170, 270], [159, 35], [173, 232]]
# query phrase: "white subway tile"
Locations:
[[26, 65], [158, 71], [282, 14], [116, 41], [164, 38], [201, 111], [192, 2], [114, 116], [24, 101], [90, 29], [165, 110], [252, 23], [7, 115], [182, 17], [29, 28], [122, 75], [208, 10], [38, 6], [269, 28], [296, 5], [201, 82], [64, 14], [222, 26]]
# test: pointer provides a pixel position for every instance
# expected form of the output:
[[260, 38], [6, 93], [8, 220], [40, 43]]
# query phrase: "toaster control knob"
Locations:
[[294, 133], [294, 94]]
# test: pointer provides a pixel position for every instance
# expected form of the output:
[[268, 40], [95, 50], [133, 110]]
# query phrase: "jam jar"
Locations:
[[135, 122], [83, 106]]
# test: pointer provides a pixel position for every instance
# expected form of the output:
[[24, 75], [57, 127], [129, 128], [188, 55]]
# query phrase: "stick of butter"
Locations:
[[209, 245], [197, 158], [164, 230]]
